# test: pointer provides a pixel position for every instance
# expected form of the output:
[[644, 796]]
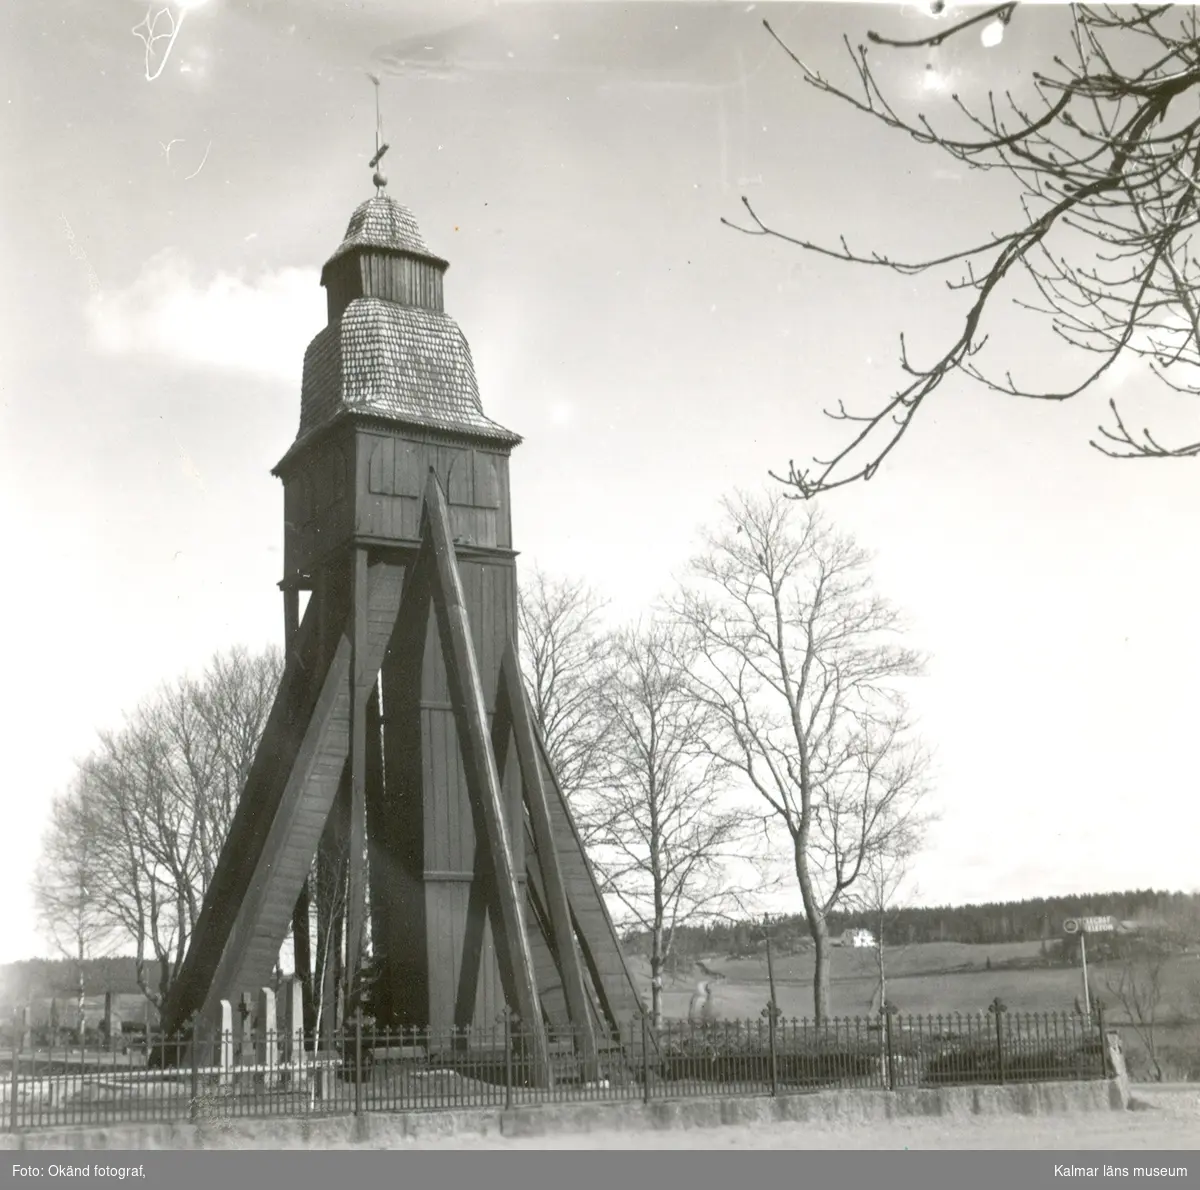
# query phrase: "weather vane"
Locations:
[[380, 178]]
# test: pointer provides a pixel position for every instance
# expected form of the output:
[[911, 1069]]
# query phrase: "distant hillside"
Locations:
[[1009, 921], [43, 979], [1006, 921]]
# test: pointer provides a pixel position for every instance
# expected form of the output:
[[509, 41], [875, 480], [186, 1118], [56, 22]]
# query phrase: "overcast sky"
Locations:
[[162, 238]]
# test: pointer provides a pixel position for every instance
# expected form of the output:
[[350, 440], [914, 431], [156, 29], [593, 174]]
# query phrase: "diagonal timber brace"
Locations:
[[512, 702], [264, 915], [483, 779]]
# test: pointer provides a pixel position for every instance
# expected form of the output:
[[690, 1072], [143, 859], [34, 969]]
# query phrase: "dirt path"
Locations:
[[1169, 1120]]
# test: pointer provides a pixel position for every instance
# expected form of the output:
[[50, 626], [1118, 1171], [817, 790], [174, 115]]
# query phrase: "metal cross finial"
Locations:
[[380, 179]]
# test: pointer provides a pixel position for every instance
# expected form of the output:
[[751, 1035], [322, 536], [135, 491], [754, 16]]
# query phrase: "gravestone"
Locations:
[[225, 1043], [245, 1029], [293, 1019], [266, 1036]]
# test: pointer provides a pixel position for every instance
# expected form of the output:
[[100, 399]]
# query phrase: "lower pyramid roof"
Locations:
[[403, 363]]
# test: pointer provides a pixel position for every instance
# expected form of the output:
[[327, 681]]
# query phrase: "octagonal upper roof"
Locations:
[[382, 222]]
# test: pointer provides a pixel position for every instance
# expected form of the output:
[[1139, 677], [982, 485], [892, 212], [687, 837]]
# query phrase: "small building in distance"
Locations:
[[859, 938]]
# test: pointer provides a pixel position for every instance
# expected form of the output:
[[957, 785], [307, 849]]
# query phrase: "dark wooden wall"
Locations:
[[464, 975], [427, 871], [430, 874], [391, 477], [386, 473], [318, 503]]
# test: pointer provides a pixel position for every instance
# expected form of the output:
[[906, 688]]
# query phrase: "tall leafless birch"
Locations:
[[804, 664], [674, 849], [565, 647], [66, 893]]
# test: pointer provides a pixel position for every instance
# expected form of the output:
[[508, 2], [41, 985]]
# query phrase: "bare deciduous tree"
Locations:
[[330, 874], [877, 897], [1103, 144], [65, 892], [666, 848], [803, 661], [564, 652], [1137, 980], [232, 704], [152, 805], [1140, 975]]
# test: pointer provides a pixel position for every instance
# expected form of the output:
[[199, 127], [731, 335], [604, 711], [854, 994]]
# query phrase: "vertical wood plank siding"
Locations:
[[406, 280]]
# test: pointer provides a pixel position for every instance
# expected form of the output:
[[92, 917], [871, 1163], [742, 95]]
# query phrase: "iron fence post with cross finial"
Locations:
[[506, 1021], [17, 1032], [998, 1008], [771, 1012], [645, 1057], [358, 1062], [887, 1011], [194, 1047]]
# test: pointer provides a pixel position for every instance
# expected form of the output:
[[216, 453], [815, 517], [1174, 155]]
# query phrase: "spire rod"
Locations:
[[380, 179]]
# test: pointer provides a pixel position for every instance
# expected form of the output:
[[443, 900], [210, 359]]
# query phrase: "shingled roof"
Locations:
[[400, 362], [381, 222]]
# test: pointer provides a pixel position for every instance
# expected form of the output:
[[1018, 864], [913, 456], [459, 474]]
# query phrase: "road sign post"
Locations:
[[1083, 926]]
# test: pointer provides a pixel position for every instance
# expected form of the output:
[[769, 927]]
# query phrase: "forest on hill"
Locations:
[[1032, 920], [40, 979]]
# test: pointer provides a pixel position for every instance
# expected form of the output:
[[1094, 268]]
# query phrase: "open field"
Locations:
[[927, 978]]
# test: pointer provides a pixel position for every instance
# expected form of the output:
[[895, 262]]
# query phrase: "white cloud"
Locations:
[[256, 324]]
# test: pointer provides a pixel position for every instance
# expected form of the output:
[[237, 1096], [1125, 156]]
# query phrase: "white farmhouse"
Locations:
[[856, 938]]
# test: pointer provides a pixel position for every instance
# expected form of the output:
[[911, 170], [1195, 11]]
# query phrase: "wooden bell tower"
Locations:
[[401, 754]]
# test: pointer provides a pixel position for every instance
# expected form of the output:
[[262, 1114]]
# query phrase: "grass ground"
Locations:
[[928, 978]]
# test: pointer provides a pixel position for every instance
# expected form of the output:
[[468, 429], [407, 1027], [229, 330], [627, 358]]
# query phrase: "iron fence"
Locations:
[[364, 1068]]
